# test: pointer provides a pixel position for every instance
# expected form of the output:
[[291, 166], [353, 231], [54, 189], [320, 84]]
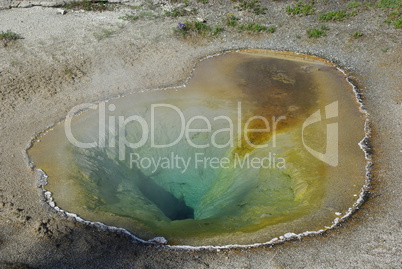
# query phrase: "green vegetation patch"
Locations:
[[317, 32], [105, 33], [196, 28], [272, 29], [250, 5], [397, 24], [357, 35], [129, 17], [389, 3], [301, 9], [217, 30], [8, 36], [395, 18], [89, 5], [231, 20], [336, 15], [353, 4], [252, 27]]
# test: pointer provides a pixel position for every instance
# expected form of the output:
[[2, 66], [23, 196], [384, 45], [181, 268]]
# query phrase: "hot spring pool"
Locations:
[[256, 145]]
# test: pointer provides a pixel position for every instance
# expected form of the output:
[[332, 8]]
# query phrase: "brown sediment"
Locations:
[[278, 90]]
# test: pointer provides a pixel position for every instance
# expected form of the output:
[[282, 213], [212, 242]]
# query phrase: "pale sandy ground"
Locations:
[[60, 64]]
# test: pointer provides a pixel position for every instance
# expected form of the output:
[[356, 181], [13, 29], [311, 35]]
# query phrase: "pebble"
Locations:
[[61, 11], [159, 240]]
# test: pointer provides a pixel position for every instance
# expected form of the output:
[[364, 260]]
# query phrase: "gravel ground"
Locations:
[[65, 60]]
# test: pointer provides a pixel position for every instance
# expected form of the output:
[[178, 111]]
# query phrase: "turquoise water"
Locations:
[[188, 186]]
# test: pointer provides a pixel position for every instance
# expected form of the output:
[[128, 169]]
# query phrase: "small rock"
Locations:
[[61, 11], [289, 235], [52, 3], [24, 4], [159, 240]]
